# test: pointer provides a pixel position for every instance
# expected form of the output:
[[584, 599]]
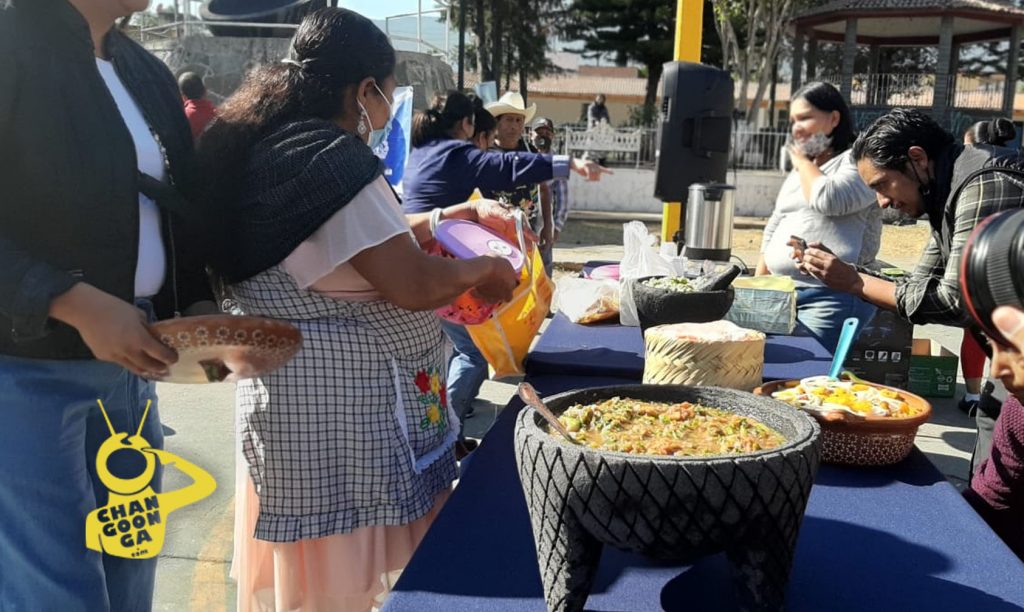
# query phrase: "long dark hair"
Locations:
[[827, 98], [445, 112], [333, 50], [483, 120]]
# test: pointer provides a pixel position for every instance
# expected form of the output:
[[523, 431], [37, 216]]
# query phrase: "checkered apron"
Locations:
[[355, 430]]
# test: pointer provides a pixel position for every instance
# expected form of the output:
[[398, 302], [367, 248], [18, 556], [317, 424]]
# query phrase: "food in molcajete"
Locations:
[[670, 429], [670, 283], [823, 393]]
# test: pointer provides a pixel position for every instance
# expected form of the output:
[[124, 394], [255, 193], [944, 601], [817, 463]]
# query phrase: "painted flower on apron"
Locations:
[[433, 398]]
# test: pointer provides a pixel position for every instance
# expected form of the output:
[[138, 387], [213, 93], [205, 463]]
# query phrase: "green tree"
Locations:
[[640, 31], [510, 38], [752, 35]]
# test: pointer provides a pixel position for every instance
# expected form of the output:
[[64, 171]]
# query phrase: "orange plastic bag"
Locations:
[[505, 338]]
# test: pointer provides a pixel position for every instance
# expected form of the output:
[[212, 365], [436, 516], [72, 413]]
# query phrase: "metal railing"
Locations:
[[419, 39], [918, 90], [756, 149], [970, 92], [750, 149], [185, 23]]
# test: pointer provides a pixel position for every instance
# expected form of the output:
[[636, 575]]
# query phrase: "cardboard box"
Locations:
[[932, 369], [881, 353]]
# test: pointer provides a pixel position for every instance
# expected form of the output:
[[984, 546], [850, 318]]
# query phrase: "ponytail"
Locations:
[[444, 114]]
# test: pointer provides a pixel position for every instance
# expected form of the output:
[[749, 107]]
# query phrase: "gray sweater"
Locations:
[[842, 214]]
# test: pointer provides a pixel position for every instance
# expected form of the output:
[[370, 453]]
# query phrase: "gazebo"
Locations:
[[955, 99]]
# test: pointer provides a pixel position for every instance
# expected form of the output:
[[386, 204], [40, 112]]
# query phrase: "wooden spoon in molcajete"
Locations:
[[529, 395]]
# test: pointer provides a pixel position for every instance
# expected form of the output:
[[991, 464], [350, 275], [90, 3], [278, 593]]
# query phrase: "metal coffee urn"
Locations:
[[708, 219]]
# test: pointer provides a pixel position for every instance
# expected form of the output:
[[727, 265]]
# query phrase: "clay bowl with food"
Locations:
[[226, 348], [747, 501], [672, 302], [854, 433]]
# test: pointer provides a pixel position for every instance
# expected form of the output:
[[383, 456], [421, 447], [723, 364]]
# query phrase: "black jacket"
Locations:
[[69, 184]]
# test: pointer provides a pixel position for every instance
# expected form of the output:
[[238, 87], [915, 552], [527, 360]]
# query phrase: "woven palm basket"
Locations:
[[719, 354]]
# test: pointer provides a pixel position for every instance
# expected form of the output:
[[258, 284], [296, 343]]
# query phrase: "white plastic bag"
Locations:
[[640, 259], [583, 300]]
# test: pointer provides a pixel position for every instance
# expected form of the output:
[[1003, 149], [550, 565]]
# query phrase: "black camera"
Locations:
[[992, 269]]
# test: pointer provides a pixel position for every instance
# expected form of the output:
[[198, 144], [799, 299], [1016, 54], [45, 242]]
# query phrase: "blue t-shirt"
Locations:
[[445, 172]]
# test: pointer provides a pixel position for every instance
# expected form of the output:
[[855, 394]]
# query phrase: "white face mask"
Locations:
[[378, 136], [815, 144]]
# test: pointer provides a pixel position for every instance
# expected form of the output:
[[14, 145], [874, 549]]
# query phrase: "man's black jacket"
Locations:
[[69, 184]]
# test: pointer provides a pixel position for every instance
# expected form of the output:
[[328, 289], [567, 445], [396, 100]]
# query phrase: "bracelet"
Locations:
[[435, 217]]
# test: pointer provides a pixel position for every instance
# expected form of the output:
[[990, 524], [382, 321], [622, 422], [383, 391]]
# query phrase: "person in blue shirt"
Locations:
[[444, 168]]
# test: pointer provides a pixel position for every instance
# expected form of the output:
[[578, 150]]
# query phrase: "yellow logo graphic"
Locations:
[[134, 521]]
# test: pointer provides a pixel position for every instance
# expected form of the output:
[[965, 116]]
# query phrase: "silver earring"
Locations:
[[361, 127]]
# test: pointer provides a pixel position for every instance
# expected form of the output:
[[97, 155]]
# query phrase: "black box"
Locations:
[[695, 129], [881, 353]]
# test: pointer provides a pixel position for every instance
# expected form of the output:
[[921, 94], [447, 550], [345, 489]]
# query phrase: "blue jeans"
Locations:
[[822, 311], [467, 370], [50, 431], [547, 256]]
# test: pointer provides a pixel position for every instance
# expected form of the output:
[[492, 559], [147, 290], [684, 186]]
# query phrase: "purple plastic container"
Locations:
[[465, 240]]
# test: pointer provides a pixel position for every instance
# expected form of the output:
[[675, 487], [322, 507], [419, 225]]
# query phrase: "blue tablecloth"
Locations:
[[899, 538], [567, 348]]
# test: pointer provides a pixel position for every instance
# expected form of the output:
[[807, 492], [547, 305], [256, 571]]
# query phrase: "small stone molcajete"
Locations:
[[664, 306], [671, 508]]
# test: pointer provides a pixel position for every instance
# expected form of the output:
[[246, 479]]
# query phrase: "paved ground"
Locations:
[[195, 563]]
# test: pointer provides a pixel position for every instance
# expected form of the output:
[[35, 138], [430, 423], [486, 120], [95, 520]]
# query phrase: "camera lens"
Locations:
[[992, 269]]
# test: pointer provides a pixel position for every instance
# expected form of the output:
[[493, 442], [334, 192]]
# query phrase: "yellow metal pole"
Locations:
[[689, 23]]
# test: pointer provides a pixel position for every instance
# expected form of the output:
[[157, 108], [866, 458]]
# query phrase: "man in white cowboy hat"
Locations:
[[512, 103], [513, 115]]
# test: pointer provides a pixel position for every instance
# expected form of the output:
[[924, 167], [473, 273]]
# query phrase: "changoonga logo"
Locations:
[[134, 521]]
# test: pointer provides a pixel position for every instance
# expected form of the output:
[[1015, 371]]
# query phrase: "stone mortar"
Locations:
[[671, 508]]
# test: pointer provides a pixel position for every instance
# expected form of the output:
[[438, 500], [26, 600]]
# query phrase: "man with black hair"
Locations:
[[918, 168], [199, 110]]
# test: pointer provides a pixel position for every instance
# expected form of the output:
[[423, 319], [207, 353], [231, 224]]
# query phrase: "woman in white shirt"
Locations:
[[347, 451], [822, 200]]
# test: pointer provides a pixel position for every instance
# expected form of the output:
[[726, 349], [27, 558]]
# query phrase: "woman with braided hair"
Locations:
[[346, 452]]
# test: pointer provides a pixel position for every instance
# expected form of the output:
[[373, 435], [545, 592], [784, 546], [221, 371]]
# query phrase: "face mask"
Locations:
[[815, 144], [378, 136]]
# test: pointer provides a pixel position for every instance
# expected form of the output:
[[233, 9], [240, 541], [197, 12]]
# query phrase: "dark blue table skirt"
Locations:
[[567, 348], [898, 539]]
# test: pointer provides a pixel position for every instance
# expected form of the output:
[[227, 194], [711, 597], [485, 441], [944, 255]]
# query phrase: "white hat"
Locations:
[[512, 103]]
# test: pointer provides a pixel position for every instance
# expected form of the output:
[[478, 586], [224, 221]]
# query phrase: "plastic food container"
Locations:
[[608, 272], [464, 240]]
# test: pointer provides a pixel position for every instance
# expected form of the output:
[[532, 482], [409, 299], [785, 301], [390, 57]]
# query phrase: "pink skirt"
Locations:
[[348, 572]]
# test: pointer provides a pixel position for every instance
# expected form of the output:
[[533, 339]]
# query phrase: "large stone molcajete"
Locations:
[[671, 508]]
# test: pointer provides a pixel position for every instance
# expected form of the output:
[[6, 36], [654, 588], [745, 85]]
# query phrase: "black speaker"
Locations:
[[695, 129]]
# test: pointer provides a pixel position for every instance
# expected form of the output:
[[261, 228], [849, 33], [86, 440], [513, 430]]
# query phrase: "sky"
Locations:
[[379, 9]]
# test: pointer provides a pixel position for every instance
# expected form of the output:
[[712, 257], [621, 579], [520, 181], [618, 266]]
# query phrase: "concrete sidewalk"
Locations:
[[651, 218]]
